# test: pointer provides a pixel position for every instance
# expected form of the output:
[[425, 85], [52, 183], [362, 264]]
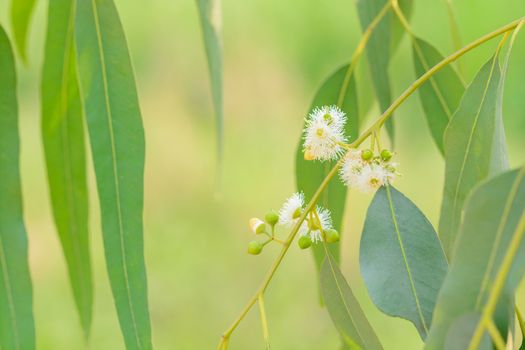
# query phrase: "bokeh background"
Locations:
[[276, 54]]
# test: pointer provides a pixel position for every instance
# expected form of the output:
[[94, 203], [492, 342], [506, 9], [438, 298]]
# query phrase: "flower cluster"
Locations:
[[324, 133], [363, 170], [324, 139], [315, 227]]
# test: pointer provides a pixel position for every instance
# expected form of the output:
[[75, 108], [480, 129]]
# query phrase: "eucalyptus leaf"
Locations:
[[17, 330], [116, 133], [344, 309], [63, 135], [310, 174], [468, 144], [210, 15], [398, 31], [441, 94], [401, 259], [458, 338], [21, 11], [378, 53], [492, 213]]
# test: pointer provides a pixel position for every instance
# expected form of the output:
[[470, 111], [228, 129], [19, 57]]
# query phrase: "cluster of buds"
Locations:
[[324, 139], [316, 226], [366, 171]]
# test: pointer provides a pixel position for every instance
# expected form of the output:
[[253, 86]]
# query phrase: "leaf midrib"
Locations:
[[115, 169], [467, 151], [405, 260]]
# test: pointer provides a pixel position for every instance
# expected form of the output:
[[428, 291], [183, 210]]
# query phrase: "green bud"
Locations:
[[255, 248], [386, 155], [271, 218], [312, 225], [304, 242], [332, 236], [297, 213], [367, 154]]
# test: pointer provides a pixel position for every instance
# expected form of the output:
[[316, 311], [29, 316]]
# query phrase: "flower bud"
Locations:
[[257, 225], [304, 242], [271, 218], [331, 236], [255, 248], [308, 155], [297, 213], [367, 154], [386, 155]]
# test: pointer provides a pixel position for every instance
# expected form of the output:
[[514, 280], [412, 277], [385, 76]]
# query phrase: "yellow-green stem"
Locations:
[[521, 322], [378, 123]]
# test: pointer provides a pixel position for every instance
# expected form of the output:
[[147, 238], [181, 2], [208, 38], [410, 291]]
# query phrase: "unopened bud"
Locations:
[[271, 218], [367, 154], [331, 236], [255, 248], [386, 155], [304, 242], [257, 225], [297, 213], [308, 155]]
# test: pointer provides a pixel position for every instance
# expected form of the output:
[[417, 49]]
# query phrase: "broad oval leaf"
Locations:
[[441, 94], [210, 15], [401, 259], [344, 309], [338, 89], [116, 133], [492, 214], [468, 144], [21, 11], [63, 135], [378, 52], [17, 330]]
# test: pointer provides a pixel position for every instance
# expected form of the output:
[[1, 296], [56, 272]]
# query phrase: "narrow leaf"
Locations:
[[401, 259], [17, 330], [210, 15], [21, 11], [407, 7], [468, 147], [344, 309], [309, 174], [116, 133], [441, 94], [378, 52], [492, 214], [63, 135]]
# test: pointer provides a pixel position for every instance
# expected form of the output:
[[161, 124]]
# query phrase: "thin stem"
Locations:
[[520, 321], [496, 336], [454, 29], [359, 51], [225, 337], [499, 283], [401, 17], [264, 322]]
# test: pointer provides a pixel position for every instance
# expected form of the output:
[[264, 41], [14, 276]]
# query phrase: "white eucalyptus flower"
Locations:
[[372, 177], [314, 230], [324, 133], [291, 212], [351, 168]]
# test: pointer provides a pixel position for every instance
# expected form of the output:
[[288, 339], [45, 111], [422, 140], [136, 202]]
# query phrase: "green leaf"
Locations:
[[63, 135], [468, 147], [458, 338], [210, 15], [344, 309], [21, 11], [17, 330], [116, 133], [441, 94], [339, 87], [492, 213], [378, 53], [401, 259]]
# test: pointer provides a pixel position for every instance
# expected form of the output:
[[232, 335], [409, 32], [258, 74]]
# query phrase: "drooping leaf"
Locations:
[[378, 52], [310, 174], [344, 309], [468, 145], [441, 94], [21, 11], [116, 135], [491, 218], [63, 135], [17, 330], [460, 333], [401, 259], [210, 15]]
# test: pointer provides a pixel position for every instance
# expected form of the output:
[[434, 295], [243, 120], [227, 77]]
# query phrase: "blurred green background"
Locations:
[[276, 54]]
